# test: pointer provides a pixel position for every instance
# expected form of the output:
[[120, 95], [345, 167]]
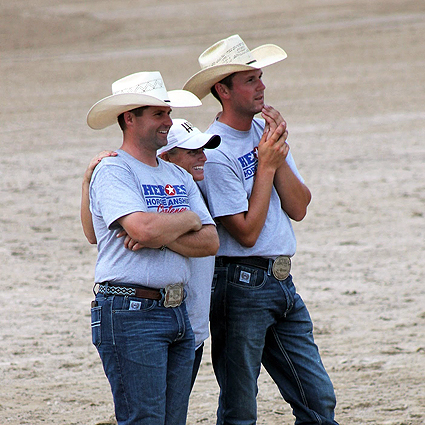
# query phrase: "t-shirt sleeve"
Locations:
[[223, 190], [114, 194], [291, 163]]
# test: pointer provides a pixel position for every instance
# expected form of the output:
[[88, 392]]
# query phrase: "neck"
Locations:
[[235, 120], [141, 153]]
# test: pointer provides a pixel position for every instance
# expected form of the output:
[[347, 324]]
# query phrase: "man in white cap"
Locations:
[[253, 190], [185, 148], [140, 324]]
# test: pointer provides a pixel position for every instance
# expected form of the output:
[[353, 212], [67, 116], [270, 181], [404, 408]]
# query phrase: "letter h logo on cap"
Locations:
[[187, 126]]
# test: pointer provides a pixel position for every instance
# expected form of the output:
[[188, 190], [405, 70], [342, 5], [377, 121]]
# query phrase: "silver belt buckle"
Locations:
[[281, 267], [174, 295]]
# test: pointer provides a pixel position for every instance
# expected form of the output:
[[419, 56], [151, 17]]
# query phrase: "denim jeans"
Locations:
[[257, 319], [197, 363], [147, 355]]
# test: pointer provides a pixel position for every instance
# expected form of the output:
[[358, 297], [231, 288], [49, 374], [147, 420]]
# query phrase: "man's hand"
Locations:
[[94, 162], [273, 118], [273, 149], [129, 243]]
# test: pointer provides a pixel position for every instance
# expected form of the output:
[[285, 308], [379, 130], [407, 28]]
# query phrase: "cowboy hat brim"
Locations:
[[106, 111], [200, 84]]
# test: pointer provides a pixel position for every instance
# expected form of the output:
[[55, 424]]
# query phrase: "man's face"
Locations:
[[191, 160], [152, 126], [248, 91]]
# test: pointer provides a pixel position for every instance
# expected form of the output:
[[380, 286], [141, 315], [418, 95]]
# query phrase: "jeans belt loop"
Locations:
[[269, 269]]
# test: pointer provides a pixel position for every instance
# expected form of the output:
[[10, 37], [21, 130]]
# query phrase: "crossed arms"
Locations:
[[181, 232]]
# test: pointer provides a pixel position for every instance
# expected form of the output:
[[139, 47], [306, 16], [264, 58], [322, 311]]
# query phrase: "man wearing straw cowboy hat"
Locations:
[[185, 147], [253, 190], [140, 324]]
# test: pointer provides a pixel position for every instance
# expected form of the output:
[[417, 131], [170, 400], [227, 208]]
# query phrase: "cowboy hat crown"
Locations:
[[134, 91], [228, 56]]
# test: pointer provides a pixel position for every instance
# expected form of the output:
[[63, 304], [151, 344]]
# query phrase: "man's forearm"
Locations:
[[197, 244], [246, 227], [294, 195], [153, 230]]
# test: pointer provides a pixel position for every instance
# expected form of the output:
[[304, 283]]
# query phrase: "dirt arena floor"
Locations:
[[352, 92]]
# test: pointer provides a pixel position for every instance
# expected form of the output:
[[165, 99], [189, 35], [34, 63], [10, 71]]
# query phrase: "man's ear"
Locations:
[[128, 118], [222, 90], [165, 156]]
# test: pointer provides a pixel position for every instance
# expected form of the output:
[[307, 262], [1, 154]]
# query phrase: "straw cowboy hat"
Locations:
[[228, 56], [134, 91], [183, 134]]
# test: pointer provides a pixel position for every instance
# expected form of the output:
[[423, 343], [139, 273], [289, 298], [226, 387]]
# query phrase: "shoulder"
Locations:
[[111, 165], [217, 155], [172, 168]]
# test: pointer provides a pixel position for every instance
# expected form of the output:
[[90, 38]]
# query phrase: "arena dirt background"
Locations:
[[352, 92]]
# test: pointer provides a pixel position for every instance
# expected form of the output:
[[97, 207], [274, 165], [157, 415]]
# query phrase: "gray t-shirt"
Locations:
[[229, 177], [198, 296], [122, 185]]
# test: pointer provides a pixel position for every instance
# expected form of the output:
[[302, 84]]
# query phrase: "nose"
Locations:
[[261, 85], [202, 157], [168, 121]]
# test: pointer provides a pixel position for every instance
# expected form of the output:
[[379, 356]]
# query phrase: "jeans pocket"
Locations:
[[96, 316], [246, 277]]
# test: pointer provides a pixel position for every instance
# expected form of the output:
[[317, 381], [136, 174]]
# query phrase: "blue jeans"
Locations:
[[197, 363], [147, 355], [257, 319]]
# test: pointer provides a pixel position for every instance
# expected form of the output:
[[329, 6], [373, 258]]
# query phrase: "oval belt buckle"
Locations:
[[173, 295], [281, 267]]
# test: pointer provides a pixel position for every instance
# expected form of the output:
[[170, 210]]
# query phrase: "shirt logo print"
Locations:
[[166, 199], [170, 190], [249, 163]]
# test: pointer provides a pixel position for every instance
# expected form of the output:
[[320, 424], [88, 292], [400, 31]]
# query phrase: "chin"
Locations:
[[259, 108], [198, 177]]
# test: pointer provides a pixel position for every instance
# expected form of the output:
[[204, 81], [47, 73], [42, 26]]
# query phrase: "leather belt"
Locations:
[[130, 291], [260, 262], [280, 266], [170, 296]]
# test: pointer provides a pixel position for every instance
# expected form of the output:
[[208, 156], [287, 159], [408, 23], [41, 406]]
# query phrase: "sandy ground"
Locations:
[[352, 92]]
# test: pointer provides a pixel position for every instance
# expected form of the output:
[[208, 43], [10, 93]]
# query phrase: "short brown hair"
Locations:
[[136, 111], [227, 81]]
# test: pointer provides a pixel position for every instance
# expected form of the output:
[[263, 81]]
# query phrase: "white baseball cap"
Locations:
[[183, 134]]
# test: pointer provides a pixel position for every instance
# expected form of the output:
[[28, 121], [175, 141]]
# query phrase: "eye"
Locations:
[[194, 152]]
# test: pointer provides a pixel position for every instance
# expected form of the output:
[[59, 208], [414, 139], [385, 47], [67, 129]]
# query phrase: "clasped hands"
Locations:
[[273, 149]]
